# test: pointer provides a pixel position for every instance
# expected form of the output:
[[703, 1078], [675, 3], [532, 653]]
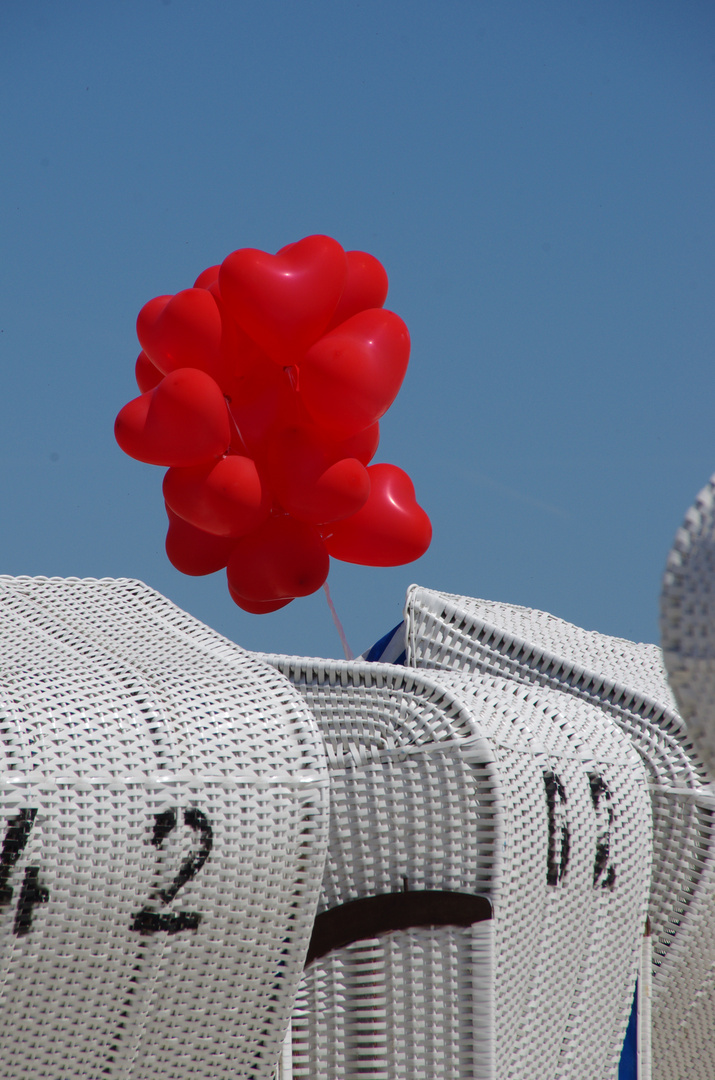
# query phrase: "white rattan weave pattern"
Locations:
[[688, 637], [408, 1004], [163, 803], [403, 807], [688, 622], [626, 682], [414, 804], [579, 986]]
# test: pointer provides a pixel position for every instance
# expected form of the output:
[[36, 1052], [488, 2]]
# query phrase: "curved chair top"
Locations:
[[163, 828]]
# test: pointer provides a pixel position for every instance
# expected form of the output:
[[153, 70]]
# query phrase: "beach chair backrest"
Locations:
[[442, 788], [163, 826], [626, 683]]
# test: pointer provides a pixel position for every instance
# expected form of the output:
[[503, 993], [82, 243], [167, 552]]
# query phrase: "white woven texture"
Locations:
[[626, 683], [688, 637], [163, 808], [443, 781], [688, 622]]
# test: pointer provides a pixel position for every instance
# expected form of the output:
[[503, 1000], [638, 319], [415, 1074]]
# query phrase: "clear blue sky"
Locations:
[[537, 179]]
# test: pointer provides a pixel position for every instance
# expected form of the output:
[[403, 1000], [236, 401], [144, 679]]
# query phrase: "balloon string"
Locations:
[[349, 654], [235, 429]]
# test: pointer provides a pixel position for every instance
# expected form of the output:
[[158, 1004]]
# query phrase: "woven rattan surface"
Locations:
[[442, 781], [626, 683], [163, 803], [688, 637], [688, 621]]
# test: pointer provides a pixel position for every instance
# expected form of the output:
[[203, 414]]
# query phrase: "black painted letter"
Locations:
[[559, 834]]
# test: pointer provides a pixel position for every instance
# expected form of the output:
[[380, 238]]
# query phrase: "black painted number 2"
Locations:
[[604, 872], [151, 920], [32, 892]]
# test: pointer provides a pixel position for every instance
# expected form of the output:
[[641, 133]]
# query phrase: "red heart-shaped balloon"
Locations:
[[147, 375], [193, 329], [285, 301], [225, 498], [310, 480], [193, 551], [390, 529], [362, 446], [349, 378], [256, 607], [147, 319], [207, 277], [339, 491], [365, 287], [183, 421], [281, 559]]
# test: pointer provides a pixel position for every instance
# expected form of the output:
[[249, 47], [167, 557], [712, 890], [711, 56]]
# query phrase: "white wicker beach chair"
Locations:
[[163, 821], [450, 799], [588, 674], [688, 637], [164, 800], [688, 622]]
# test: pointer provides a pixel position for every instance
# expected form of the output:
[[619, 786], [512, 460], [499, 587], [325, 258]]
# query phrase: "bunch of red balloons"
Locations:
[[261, 390]]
